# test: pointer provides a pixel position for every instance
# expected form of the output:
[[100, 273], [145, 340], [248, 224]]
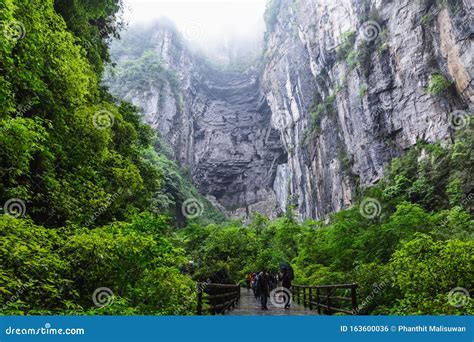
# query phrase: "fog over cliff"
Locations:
[[221, 29], [307, 113]]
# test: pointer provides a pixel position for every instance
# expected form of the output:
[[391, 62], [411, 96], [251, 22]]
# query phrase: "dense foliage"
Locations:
[[72, 159], [50, 271], [406, 255], [98, 204]]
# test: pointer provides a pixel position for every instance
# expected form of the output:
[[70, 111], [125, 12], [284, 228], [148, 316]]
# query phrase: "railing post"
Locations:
[[304, 296], [310, 299], [325, 296], [354, 299], [318, 300], [237, 297], [328, 300], [199, 300]]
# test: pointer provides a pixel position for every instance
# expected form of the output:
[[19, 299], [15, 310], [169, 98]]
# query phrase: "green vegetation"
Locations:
[[57, 271], [438, 85], [270, 17], [426, 19], [316, 116], [271, 14], [363, 90], [417, 246], [93, 23], [99, 203], [359, 55], [75, 157], [364, 56], [142, 74], [346, 46], [318, 110], [345, 159]]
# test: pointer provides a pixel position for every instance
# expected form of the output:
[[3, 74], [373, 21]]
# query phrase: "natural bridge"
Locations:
[[305, 300]]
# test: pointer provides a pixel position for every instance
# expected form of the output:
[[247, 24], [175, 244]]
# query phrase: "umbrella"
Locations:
[[286, 266]]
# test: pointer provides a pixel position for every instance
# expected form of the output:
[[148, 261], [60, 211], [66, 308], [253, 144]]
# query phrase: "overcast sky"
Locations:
[[202, 21]]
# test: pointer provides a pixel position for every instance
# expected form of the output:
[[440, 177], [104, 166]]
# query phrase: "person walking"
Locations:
[[253, 284], [263, 288], [286, 279], [248, 280]]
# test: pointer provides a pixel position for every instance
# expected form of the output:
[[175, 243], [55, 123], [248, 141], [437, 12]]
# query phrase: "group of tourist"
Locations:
[[263, 282]]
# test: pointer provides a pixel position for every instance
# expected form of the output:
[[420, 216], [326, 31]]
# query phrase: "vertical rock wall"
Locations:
[[372, 98], [342, 88]]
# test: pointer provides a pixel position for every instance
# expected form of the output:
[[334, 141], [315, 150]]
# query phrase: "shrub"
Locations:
[[375, 291], [426, 19], [425, 271], [51, 271], [438, 85], [33, 275], [346, 45]]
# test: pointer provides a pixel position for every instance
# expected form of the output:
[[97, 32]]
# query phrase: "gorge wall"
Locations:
[[343, 87], [216, 122]]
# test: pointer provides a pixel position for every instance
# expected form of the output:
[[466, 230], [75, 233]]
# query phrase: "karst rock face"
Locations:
[[217, 124], [341, 89]]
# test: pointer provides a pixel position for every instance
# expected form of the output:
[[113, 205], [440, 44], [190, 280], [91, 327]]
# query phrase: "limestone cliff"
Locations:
[[217, 122], [343, 86], [348, 83]]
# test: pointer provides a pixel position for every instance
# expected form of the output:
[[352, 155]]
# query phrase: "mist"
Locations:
[[224, 30]]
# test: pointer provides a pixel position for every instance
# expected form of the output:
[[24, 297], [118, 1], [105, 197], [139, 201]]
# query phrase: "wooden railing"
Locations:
[[216, 298], [325, 299]]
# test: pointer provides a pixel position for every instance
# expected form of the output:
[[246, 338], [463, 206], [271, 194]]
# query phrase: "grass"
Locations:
[[343, 50], [438, 85]]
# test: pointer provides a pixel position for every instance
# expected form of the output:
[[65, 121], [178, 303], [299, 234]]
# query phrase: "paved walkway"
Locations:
[[249, 306]]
